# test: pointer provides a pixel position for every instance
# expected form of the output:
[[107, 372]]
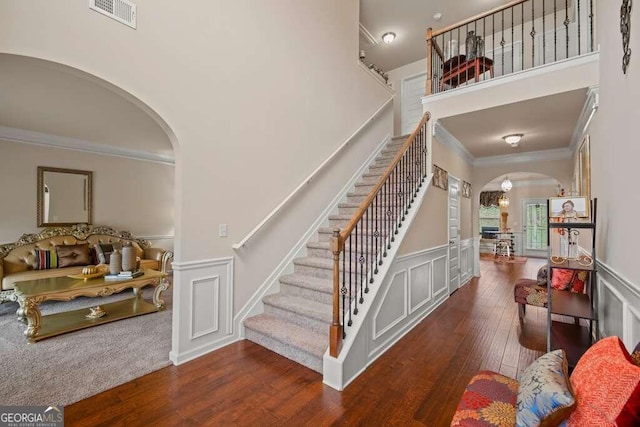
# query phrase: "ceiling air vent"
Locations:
[[121, 10]]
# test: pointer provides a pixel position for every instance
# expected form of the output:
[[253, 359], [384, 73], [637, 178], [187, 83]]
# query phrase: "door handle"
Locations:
[[452, 242]]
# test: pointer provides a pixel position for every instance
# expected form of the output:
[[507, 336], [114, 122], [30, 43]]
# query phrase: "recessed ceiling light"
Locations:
[[388, 37], [513, 139], [437, 16]]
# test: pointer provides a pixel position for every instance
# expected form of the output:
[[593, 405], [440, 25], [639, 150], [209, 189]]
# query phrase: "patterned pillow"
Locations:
[[70, 255], [46, 259], [545, 397], [607, 386], [564, 279], [104, 250]]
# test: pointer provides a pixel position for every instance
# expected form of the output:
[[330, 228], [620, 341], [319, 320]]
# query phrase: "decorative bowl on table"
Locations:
[[91, 272]]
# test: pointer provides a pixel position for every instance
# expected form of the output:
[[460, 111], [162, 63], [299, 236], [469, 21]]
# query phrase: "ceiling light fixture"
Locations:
[[388, 37], [437, 16], [506, 184], [513, 139]]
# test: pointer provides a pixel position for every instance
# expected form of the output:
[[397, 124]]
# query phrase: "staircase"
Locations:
[[296, 320]]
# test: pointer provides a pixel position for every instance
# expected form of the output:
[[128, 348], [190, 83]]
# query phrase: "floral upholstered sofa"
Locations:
[[603, 390], [60, 251]]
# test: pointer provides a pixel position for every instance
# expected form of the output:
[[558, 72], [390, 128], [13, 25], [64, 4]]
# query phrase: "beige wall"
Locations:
[[395, 78], [614, 148], [127, 194], [430, 227], [251, 114]]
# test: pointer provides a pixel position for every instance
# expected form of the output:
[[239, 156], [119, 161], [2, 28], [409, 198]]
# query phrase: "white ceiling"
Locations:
[[409, 19], [47, 99], [547, 123]]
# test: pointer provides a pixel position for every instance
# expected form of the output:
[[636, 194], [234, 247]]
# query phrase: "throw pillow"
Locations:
[[607, 386], [545, 397], [46, 259], [564, 279], [70, 255], [104, 250]]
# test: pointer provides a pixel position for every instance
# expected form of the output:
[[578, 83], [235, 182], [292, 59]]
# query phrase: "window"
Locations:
[[489, 216]]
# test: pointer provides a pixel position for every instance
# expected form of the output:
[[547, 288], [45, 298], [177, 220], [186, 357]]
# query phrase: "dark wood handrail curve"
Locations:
[[344, 233]]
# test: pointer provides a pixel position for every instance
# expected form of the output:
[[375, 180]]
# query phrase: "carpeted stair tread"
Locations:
[[289, 334], [304, 307], [309, 282]]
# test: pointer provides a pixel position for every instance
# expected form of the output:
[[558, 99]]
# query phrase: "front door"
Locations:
[[454, 234], [534, 227]]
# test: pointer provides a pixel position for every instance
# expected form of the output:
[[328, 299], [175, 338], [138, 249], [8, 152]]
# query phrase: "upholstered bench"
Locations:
[[534, 292], [603, 390]]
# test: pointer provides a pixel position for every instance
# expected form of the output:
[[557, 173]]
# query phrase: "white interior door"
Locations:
[[454, 234], [534, 227], [413, 89]]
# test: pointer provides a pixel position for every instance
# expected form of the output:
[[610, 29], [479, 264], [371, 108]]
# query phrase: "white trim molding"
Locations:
[[618, 302], [158, 237], [443, 135], [532, 156], [586, 115], [377, 77], [54, 141], [203, 308]]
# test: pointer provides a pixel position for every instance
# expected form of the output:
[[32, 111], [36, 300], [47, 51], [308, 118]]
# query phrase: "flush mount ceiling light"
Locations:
[[388, 37], [437, 16], [506, 184], [513, 139]]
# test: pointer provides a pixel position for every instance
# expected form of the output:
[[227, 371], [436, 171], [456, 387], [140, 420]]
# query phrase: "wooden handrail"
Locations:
[[477, 17], [372, 194], [307, 180]]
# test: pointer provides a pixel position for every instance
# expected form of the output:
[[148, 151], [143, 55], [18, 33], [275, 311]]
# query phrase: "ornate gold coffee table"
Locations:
[[30, 294]]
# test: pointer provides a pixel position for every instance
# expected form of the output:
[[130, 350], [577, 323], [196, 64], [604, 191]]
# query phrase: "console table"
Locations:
[[458, 70], [31, 293]]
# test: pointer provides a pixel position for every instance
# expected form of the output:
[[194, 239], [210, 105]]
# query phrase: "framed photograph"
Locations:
[[466, 189], [440, 178], [584, 169], [572, 207]]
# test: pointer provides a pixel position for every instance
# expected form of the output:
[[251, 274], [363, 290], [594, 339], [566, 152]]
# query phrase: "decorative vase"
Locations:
[[470, 45], [115, 262], [128, 257], [479, 47]]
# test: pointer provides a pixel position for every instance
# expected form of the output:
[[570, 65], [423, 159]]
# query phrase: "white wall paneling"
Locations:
[[423, 275], [617, 306], [466, 260], [206, 287]]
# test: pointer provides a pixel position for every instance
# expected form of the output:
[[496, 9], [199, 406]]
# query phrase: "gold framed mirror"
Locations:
[[64, 196]]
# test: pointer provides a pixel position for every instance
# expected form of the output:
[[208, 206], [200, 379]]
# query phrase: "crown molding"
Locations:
[[366, 34], [443, 135], [589, 109], [533, 156], [524, 183], [54, 141]]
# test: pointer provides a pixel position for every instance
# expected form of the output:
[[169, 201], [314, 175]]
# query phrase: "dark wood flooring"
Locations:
[[418, 382]]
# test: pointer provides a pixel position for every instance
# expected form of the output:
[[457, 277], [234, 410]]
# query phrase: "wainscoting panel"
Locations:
[[618, 306], [202, 308], [466, 260], [440, 275], [205, 297], [412, 289], [393, 308], [420, 291]]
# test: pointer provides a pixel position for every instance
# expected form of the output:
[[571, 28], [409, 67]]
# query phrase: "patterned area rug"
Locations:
[[70, 367], [503, 259]]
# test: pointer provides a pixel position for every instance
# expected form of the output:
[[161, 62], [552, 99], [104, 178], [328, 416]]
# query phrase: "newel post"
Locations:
[[335, 331], [429, 89]]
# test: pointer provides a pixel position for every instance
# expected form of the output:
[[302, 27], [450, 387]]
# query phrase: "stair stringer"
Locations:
[[271, 285], [354, 357]]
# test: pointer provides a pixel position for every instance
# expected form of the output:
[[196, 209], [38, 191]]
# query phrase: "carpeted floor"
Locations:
[[503, 259], [70, 367]]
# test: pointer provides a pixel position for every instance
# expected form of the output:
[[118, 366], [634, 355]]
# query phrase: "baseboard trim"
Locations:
[[179, 359]]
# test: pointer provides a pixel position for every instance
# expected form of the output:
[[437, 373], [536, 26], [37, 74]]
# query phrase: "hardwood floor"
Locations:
[[418, 382]]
